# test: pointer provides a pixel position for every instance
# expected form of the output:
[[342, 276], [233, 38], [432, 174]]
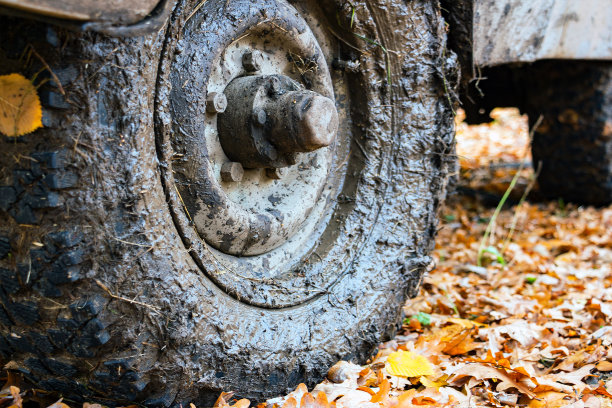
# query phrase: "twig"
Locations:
[[492, 221], [183, 202], [135, 302], [133, 243], [195, 10], [55, 78]]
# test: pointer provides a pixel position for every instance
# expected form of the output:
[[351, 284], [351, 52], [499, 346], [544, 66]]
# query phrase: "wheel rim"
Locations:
[[293, 266]]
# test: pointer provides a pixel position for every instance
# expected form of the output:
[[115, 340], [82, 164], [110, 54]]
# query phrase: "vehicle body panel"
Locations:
[[113, 11], [508, 31]]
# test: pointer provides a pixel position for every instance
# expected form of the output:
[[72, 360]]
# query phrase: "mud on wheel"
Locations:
[[235, 202]]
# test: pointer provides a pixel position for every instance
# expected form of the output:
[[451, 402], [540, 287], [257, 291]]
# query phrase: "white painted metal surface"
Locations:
[[528, 30]]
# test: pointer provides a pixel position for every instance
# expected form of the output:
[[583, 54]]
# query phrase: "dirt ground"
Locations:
[[516, 312]]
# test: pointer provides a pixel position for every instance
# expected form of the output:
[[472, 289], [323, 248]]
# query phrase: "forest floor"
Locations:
[[517, 311]]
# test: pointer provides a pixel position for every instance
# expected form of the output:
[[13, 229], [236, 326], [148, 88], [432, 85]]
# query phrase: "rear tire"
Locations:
[[573, 144], [107, 293]]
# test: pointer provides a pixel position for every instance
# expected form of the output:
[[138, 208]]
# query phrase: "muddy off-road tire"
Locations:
[[115, 284], [573, 144]]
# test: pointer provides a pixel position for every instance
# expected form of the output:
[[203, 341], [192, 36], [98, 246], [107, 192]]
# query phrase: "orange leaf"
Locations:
[[20, 110], [322, 400], [424, 401], [461, 343], [223, 399], [290, 403], [308, 401], [405, 398], [242, 403], [383, 391], [15, 393], [601, 390], [366, 389]]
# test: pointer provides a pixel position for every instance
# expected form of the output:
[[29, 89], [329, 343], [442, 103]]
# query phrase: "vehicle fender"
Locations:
[[508, 31]]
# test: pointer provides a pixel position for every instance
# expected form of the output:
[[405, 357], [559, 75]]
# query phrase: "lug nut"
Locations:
[[274, 87], [260, 117], [216, 102], [276, 173], [232, 171], [252, 60]]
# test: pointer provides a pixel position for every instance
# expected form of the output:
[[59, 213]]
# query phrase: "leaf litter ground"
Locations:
[[521, 318]]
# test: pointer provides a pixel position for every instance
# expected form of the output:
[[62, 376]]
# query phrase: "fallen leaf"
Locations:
[[604, 366], [408, 364], [548, 399], [20, 110], [290, 403], [58, 404], [16, 395], [485, 372], [383, 391]]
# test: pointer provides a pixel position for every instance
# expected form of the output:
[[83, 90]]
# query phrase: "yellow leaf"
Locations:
[[408, 364], [432, 384], [20, 110], [468, 324]]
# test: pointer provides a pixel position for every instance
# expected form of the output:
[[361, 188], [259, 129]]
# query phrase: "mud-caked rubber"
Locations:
[[573, 144], [100, 300]]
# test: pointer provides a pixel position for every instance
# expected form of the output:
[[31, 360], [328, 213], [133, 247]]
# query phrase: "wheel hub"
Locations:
[[270, 118]]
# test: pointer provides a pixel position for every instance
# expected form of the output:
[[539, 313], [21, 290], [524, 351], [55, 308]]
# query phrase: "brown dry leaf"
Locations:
[[548, 399], [460, 343], [604, 366], [486, 372], [20, 110], [574, 377]]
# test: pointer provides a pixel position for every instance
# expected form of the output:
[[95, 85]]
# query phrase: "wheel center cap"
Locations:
[[270, 118]]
